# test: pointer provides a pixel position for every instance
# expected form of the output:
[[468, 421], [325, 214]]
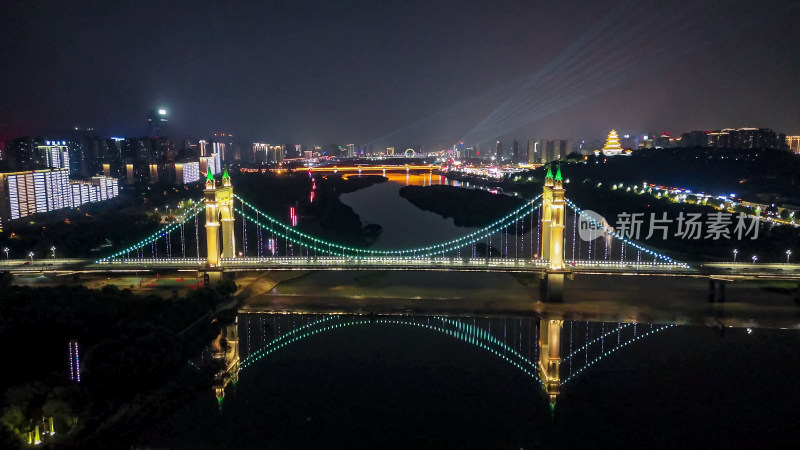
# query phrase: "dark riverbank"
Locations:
[[316, 201], [467, 207], [134, 354]]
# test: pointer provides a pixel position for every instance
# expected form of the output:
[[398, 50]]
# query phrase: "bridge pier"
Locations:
[[716, 290], [551, 288], [211, 277], [797, 294]]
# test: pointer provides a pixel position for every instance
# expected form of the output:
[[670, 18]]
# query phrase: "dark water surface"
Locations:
[[357, 382]]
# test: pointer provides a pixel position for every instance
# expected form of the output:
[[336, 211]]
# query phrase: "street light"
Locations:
[[53, 249], [6, 250], [31, 255], [755, 258], [735, 252], [788, 254]]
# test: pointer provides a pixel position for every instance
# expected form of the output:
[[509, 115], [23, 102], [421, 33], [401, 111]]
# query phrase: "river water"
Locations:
[[428, 382], [404, 225], [416, 381]]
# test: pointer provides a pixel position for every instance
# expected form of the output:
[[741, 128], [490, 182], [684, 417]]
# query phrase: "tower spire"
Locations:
[[210, 180], [548, 179], [226, 179]]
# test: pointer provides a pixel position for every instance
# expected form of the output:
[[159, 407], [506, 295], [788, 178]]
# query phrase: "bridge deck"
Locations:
[[718, 270]]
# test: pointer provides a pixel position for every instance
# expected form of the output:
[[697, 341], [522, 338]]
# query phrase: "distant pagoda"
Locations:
[[612, 146]]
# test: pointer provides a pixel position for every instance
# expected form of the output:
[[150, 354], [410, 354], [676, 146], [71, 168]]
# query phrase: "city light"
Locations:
[[551, 323]]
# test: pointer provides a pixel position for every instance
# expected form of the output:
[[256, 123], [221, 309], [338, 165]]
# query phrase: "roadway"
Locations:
[[718, 270], [418, 264]]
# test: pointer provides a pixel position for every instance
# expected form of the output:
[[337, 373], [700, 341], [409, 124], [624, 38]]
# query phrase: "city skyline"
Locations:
[[429, 75]]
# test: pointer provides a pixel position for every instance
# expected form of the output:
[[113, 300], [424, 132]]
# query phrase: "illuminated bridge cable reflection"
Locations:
[[535, 347]]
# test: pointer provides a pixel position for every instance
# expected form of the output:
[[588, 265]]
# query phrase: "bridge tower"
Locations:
[[550, 357], [225, 350], [212, 223], [219, 208], [557, 218], [225, 198], [547, 200], [553, 213]]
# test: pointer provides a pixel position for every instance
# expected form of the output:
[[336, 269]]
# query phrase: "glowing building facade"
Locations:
[[188, 172], [54, 154], [793, 143], [38, 191]]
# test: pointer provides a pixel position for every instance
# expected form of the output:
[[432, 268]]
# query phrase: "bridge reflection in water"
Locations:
[[551, 352]]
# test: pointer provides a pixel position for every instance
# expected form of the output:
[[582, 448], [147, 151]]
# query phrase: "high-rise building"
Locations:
[[26, 193], [136, 149], [694, 139], [209, 163], [224, 146], [721, 138], [644, 141], [163, 150], [498, 150], [275, 154], [746, 138], [533, 152], [543, 151], [351, 150], [515, 156], [663, 141], [157, 121], [260, 151], [97, 189], [741, 138], [53, 154], [19, 153]]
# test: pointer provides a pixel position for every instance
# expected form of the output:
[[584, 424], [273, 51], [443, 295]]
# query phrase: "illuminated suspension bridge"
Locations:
[[550, 352], [540, 235]]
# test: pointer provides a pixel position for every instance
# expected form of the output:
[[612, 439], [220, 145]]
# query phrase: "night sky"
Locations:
[[398, 73]]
